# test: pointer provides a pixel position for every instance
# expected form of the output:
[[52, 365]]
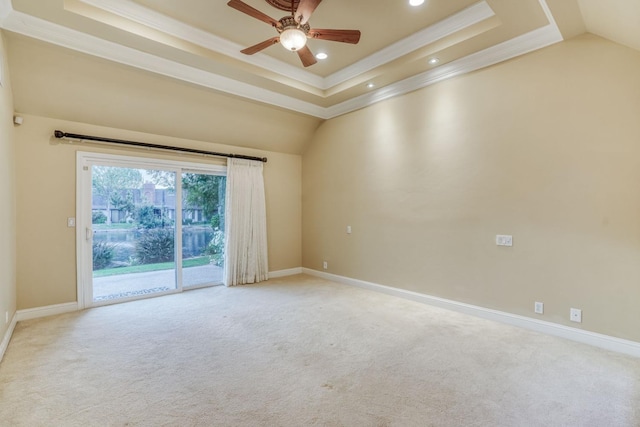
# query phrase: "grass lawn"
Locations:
[[191, 262]]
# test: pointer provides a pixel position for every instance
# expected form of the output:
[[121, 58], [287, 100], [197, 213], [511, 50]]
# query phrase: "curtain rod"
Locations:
[[59, 134]]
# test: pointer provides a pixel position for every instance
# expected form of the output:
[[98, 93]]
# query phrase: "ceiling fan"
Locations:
[[294, 29]]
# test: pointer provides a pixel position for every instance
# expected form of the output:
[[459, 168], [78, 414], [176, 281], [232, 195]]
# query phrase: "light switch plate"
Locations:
[[504, 240]]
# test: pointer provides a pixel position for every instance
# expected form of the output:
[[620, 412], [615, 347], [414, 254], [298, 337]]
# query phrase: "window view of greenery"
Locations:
[[203, 226], [133, 216]]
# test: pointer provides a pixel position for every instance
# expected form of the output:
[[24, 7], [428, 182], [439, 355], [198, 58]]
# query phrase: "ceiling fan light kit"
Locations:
[[293, 29], [293, 36], [293, 39]]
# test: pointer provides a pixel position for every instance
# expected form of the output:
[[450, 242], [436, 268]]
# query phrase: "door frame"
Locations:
[[84, 257]]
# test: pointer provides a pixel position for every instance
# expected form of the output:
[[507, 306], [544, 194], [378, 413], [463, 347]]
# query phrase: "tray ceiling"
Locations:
[[199, 41]]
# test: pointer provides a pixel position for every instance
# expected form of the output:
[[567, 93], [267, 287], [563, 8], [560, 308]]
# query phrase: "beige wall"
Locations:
[[46, 197], [545, 147], [51, 81], [7, 198]]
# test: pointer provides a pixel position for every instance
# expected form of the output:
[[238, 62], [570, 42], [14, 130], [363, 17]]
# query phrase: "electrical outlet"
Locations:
[[71, 222], [325, 264], [575, 315], [348, 229], [538, 307]]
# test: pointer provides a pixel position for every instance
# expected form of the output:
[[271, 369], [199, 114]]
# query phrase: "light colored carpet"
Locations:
[[302, 351]]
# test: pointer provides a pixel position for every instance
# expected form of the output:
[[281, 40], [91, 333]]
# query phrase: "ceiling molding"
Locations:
[[5, 10], [53, 33], [549, 15], [152, 19], [517, 46], [451, 25]]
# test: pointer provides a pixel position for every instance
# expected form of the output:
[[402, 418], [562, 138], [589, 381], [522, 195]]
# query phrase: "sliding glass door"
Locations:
[[133, 222], [147, 227], [202, 228]]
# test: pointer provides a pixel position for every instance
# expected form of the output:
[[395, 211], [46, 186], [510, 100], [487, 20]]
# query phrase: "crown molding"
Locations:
[[53, 33], [451, 25], [49, 32], [152, 19], [509, 49], [5, 10]]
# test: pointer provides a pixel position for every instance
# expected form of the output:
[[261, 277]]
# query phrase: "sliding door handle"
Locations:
[[88, 234]]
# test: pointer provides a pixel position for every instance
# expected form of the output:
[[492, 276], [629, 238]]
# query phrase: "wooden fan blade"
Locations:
[[245, 8], [306, 56], [260, 46], [305, 9], [344, 36]]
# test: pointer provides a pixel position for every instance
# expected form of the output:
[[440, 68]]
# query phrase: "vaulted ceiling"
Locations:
[[402, 48]]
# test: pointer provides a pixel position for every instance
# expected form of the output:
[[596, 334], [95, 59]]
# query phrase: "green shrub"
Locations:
[[215, 248], [154, 246], [102, 254], [98, 217], [215, 222], [148, 217]]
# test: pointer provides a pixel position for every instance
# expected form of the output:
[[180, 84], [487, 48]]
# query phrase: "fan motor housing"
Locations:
[[290, 22]]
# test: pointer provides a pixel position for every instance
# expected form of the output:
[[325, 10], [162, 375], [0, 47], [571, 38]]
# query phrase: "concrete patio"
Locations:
[[134, 284]]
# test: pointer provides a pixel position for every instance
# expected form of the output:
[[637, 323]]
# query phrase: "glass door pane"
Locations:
[[133, 222], [202, 229]]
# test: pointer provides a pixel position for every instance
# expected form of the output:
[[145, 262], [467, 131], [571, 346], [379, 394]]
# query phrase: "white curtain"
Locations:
[[245, 224]]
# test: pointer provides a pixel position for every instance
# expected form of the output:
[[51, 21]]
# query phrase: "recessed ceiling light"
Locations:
[[434, 61], [416, 2], [322, 55], [370, 85]]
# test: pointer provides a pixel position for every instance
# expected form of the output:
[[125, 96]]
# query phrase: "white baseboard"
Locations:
[[284, 273], [607, 342], [49, 310], [7, 336]]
